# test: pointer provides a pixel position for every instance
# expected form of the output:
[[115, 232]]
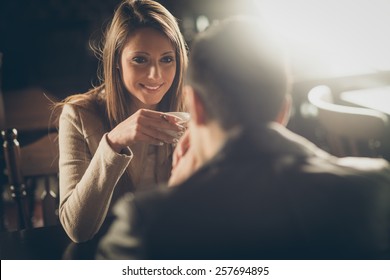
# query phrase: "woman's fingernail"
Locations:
[[175, 140]]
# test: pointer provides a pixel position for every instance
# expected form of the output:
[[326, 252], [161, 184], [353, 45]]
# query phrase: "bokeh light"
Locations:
[[333, 37]]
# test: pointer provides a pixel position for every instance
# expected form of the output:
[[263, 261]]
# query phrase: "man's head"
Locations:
[[237, 79], [238, 72]]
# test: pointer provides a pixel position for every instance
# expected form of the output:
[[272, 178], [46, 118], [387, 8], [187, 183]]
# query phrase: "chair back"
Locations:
[[2, 163], [29, 123], [39, 167], [350, 131], [2, 107]]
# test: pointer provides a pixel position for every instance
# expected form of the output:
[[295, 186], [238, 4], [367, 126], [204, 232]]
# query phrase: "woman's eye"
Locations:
[[139, 59], [167, 59]]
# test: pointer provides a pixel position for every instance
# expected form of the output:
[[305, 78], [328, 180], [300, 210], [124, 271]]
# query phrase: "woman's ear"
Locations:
[[285, 111], [195, 106]]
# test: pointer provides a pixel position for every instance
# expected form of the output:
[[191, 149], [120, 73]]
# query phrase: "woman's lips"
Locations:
[[152, 87]]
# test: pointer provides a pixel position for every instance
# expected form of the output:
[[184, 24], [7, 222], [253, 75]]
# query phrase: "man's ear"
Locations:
[[195, 106], [285, 111]]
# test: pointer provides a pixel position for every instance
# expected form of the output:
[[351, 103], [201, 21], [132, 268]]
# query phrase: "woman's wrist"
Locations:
[[113, 144]]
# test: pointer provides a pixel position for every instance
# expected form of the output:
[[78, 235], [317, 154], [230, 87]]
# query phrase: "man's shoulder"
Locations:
[[349, 165], [339, 174], [364, 164]]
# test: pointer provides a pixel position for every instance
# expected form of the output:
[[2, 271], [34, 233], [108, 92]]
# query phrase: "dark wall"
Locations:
[[45, 43]]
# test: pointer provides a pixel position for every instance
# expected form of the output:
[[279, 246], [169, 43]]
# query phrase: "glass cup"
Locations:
[[184, 118]]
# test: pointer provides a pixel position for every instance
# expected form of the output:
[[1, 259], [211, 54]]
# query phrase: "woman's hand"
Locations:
[[146, 126], [184, 162]]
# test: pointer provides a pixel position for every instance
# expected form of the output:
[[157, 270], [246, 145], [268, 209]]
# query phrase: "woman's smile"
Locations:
[[147, 70], [152, 88]]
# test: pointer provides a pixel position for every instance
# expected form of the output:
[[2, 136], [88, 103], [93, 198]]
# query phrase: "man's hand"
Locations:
[[184, 162]]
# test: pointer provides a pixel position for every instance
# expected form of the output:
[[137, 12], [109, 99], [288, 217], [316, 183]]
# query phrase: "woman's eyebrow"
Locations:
[[138, 52], [168, 52], [146, 53]]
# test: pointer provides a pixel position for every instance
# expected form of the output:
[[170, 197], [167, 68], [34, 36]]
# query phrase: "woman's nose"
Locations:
[[154, 72]]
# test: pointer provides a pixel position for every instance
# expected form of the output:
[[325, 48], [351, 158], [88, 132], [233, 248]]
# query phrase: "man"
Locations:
[[244, 187]]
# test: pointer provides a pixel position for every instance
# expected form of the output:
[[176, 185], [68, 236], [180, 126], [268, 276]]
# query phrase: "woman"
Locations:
[[112, 138]]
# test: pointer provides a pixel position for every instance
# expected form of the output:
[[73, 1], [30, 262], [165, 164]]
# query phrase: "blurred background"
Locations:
[[46, 54], [341, 43], [46, 42]]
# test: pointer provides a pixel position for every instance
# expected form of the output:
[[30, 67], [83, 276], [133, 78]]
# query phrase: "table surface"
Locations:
[[45, 243], [373, 98]]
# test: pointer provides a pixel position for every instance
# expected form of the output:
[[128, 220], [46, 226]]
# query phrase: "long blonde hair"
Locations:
[[129, 16]]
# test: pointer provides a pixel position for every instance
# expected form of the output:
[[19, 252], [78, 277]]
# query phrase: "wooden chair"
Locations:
[[350, 131], [2, 127], [32, 165], [39, 167], [32, 172]]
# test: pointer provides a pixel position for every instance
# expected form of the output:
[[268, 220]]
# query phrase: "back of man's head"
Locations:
[[239, 71]]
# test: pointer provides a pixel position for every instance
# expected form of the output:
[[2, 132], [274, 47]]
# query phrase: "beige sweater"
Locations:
[[92, 176]]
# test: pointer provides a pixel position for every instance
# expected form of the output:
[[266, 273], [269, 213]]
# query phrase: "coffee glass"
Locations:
[[184, 118]]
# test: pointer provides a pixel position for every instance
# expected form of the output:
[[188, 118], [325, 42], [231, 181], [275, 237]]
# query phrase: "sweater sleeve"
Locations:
[[87, 180]]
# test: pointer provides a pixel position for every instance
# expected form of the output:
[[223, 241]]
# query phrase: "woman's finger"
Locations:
[[170, 137], [160, 124]]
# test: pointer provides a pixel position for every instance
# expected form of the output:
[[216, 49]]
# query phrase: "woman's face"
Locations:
[[148, 67]]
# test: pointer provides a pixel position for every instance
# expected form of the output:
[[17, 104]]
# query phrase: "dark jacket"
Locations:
[[273, 195]]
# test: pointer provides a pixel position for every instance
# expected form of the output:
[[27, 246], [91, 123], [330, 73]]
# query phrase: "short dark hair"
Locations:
[[239, 70]]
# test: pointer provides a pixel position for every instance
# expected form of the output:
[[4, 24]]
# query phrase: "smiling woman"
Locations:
[[147, 70], [112, 139]]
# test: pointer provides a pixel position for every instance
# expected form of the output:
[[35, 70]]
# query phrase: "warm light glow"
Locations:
[[340, 36], [202, 22]]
